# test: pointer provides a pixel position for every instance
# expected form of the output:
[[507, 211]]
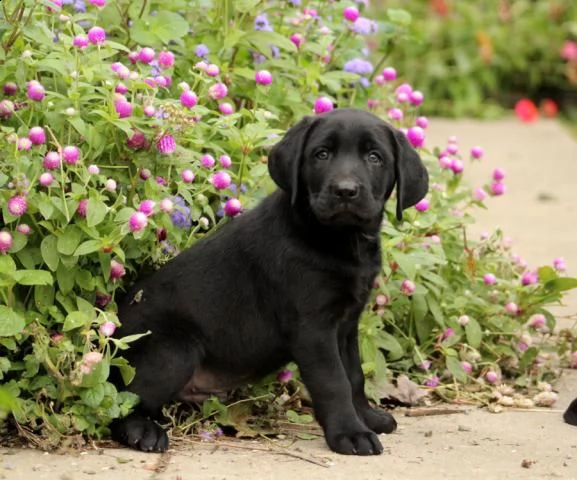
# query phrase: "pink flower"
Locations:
[[381, 300], [232, 207], [107, 329], [24, 229], [432, 382], [17, 205], [351, 13], [323, 105], [407, 287], [188, 99], [498, 174], [463, 320], [569, 50], [445, 162], [426, 365], [137, 222], [226, 108], [297, 39], [422, 122], [166, 205], [477, 152], [489, 279], [403, 88], [121, 88], [46, 179], [402, 97], [491, 376], [263, 77], [137, 141], [98, 3], [91, 359], [380, 80], [423, 205], [10, 89], [529, 278], [71, 154], [449, 332], [498, 188], [207, 160], [52, 161], [390, 74], [212, 70], [512, 308], [166, 59], [218, 91], [479, 194], [559, 264], [35, 91], [166, 144], [5, 241], [82, 207], [187, 176], [452, 148], [146, 55], [93, 169], [416, 98], [225, 161], [467, 367], [221, 180], [416, 136], [24, 143], [537, 321], [284, 376], [395, 114], [6, 108], [149, 110], [96, 35], [147, 207], [123, 108]]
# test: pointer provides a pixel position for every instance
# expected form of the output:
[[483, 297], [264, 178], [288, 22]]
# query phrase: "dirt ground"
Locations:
[[539, 213]]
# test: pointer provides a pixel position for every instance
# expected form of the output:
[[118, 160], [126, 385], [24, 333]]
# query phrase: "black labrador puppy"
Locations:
[[570, 415], [285, 281]]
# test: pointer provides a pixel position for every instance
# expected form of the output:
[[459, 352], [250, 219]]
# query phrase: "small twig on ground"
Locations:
[[426, 412]]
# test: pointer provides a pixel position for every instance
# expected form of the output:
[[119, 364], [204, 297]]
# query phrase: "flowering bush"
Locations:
[[124, 145]]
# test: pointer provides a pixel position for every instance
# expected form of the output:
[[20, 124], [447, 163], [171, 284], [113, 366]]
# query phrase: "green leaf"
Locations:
[[389, 343], [95, 212], [474, 333], [262, 41], [245, 6], [69, 240], [561, 284], [84, 279], [98, 375], [65, 279], [75, 320], [11, 323], [89, 246], [454, 366], [19, 241], [398, 16], [33, 277], [406, 263], [43, 297], [7, 265], [86, 307], [93, 397], [126, 371], [49, 252]]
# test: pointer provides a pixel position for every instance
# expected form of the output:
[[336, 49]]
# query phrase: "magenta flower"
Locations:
[[218, 91], [24, 229], [491, 376], [225, 161], [212, 70], [395, 114], [123, 108], [449, 332], [226, 108], [5, 241], [403, 88], [452, 148], [96, 35], [381, 300], [121, 88], [35, 91], [284, 376], [10, 89], [46, 179], [166, 59], [512, 308], [24, 143], [146, 55], [416, 98], [422, 122], [187, 176], [432, 381], [188, 99], [207, 160], [559, 264], [263, 77], [147, 207], [457, 166], [98, 3], [323, 105], [52, 161], [351, 13], [498, 188], [423, 205], [402, 97], [537, 321], [498, 174], [82, 207], [479, 194], [569, 50], [380, 80], [477, 152], [221, 180], [297, 39], [489, 279], [71, 154], [407, 287], [17, 205], [467, 367], [232, 207], [107, 329], [166, 144], [416, 136], [137, 222], [529, 278], [390, 74], [445, 162], [149, 110]]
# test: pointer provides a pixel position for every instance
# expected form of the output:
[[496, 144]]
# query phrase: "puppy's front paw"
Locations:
[[355, 443], [379, 421], [140, 433]]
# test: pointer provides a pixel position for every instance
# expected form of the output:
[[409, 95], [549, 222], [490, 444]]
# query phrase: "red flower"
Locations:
[[549, 108], [526, 110]]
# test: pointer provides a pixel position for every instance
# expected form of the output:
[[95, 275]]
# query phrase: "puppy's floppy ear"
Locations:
[[412, 176], [284, 159]]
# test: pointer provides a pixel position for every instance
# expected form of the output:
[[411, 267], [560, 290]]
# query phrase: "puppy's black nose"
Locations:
[[346, 189]]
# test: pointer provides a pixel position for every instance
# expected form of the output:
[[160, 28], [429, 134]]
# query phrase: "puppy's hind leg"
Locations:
[[163, 367], [570, 415]]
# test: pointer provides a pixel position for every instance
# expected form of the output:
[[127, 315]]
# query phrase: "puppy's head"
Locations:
[[345, 165]]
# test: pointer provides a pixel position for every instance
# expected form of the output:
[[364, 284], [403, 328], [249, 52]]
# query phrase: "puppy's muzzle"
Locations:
[[345, 190]]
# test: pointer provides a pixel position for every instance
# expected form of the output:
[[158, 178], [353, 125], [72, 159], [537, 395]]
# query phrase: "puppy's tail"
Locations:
[[570, 415]]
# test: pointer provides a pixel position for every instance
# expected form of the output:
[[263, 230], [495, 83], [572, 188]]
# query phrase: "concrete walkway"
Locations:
[[539, 213]]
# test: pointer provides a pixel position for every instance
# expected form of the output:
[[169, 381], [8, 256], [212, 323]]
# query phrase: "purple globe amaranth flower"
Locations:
[[537, 321], [404, 88], [181, 216], [284, 376], [24, 143], [201, 50], [93, 169], [323, 105], [149, 110], [529, 278], [402, 97], [559, 264], [380, 80], [445, 162], [52, 161], [467, 367], [425, 365], [166, 144], [422, 205], [452, 148], [71, 154], [416, 98], [137, 140], [479, 194], [457, 165], [5, 241], [422, 122], [498, 174], [107, 329], [297, 39], [17, 205], [10, 89], [365, 26], [188, 99], [35, 91], [96, 35], [137, 222], [212, 70], [146, 55], [477, 152], [80, 41], [166, 59], [121, 88], [117, 270], [498, 188], [416, 136], [359, 66], [448, 333], [226, 108], [407, 287], [381, 300], [389, 74], [82, 207], [207, 160], [351, 13], [24, 229], [46, 179], [263, 77], [123, 108], [218, 91], [221, 180], [512, 308], [147, 207], [232, 207], [187, 176], [432, 381], [491, 376], [225, 161], [489, 279]]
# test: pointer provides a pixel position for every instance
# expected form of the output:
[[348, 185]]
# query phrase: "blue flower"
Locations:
[[201, 50], [79, 6], [181, 217], [359, 66], [155, 69], [295, 3], [365, 82], [261, 23], [365, 26]]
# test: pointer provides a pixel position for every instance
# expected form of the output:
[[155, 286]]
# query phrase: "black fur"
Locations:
[[285, 281], [570, 415]]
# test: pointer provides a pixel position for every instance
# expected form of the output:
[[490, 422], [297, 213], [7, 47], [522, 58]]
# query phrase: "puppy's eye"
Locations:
[[322, 155], [374, 157]]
